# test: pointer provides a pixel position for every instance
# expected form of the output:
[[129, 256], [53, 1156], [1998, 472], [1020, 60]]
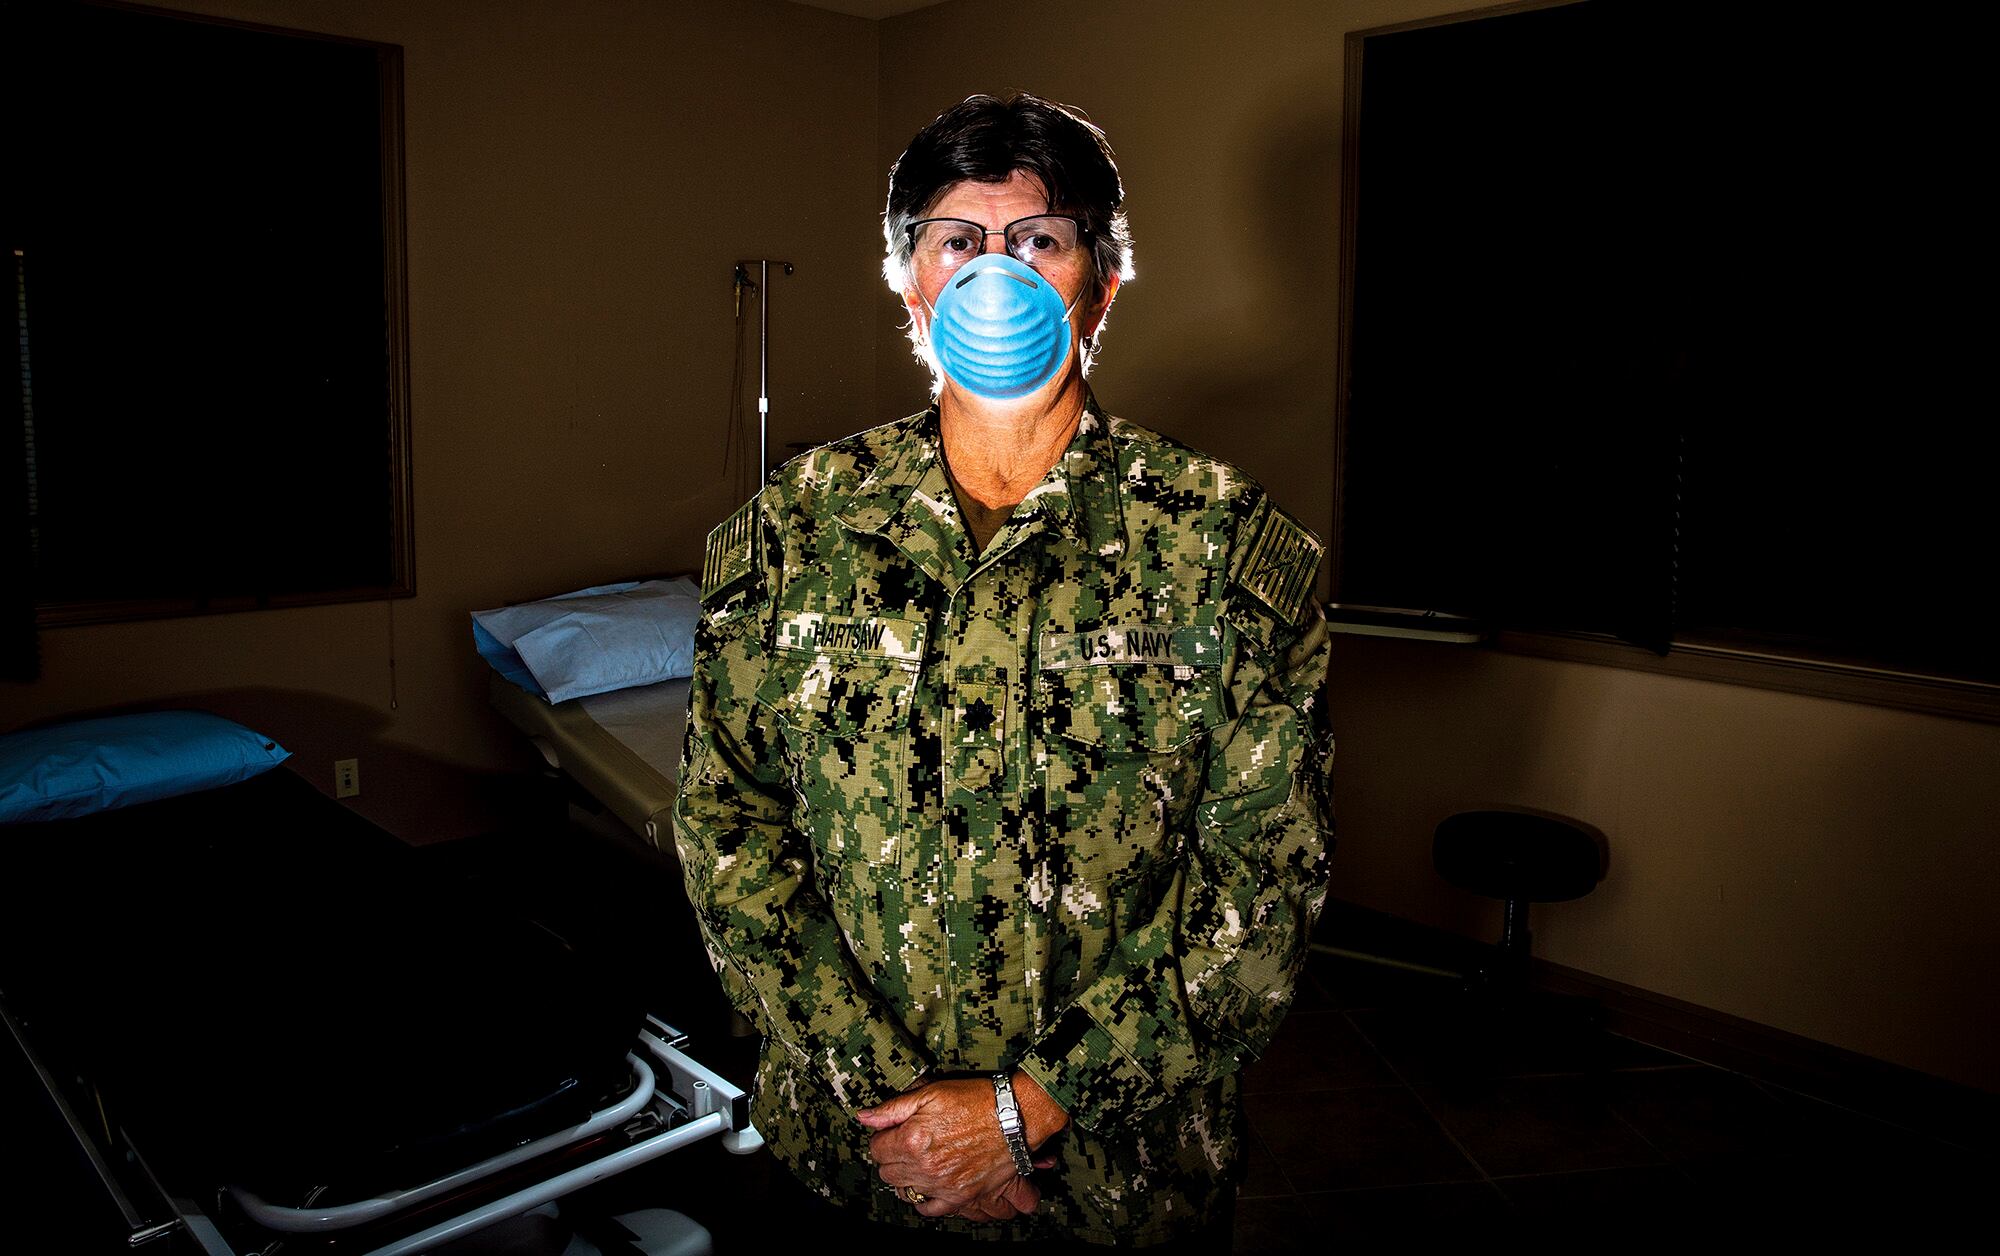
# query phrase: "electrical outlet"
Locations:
[[346, 778]]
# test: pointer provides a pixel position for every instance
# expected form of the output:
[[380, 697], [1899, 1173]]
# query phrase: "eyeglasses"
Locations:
[[1045, 242]]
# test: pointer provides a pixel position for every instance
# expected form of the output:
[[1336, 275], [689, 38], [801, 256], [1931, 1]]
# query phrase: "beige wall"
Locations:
[[1820, 867], [1226, 122], [581, 178], [1825, 868]]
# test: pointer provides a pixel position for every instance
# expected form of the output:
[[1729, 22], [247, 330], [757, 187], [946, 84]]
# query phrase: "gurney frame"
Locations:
[[675, 1101]]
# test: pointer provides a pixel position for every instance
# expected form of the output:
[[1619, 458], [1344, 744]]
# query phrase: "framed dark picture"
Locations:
[[205, 223]]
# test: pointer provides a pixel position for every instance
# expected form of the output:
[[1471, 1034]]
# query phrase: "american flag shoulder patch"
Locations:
[[731, 553], [1279, 566]]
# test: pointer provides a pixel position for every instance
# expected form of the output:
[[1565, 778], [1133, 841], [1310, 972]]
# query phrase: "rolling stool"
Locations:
[[1496, 1026], [1504, 1028], [1518, 858]]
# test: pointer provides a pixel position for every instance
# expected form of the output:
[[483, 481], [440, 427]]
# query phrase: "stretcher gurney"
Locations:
[[272, 1027]]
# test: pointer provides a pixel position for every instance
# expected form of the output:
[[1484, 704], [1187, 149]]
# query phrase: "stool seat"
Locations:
[[1517, 857], [1501, 1025]]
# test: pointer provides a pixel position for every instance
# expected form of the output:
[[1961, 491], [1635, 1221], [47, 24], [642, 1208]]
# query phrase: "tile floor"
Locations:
[[1382, 1113], [1382, 1116]]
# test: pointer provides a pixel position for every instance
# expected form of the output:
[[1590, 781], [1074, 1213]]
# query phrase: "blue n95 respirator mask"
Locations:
[[999, 329]]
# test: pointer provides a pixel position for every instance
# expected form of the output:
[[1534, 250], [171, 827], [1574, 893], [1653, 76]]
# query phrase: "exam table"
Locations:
[[622, 748], [598, 681], [271, 1027]]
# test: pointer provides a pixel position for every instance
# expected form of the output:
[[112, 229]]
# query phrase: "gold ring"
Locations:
[[913, 1195]]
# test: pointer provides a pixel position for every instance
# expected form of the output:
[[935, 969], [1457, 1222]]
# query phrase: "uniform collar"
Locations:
[[907, 498], [1079, 496]]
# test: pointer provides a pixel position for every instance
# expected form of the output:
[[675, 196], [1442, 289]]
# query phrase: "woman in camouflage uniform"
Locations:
[[1005, 803]]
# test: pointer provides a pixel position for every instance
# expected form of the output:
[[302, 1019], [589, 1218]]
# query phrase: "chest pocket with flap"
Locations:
[[1123, 747], [845, 723]]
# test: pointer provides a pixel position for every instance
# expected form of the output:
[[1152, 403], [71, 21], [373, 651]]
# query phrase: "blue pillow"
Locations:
[[123, 760], [593, 641], [494, 632]]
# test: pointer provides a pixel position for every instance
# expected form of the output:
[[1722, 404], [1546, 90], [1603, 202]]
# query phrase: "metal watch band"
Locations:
[[1011, 1126]]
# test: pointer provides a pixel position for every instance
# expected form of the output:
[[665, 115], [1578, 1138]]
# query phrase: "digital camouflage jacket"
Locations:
[[1062, 806]]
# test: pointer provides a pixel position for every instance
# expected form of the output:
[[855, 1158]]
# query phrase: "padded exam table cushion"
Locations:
[[278, 992], [623, 747]]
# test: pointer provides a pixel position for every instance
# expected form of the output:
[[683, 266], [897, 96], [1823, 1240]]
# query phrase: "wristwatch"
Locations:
[[1011, 1126]]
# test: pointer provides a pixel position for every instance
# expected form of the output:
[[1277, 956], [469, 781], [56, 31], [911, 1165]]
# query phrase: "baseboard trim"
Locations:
[[1932, 1106]]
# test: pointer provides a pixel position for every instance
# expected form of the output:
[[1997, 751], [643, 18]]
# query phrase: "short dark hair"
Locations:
[[986, 139]]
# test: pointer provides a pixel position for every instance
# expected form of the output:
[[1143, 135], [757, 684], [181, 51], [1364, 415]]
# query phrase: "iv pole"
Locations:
[[759, 289]]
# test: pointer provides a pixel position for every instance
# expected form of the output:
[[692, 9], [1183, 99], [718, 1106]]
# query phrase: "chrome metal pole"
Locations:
[[763, 289], [763, 366]]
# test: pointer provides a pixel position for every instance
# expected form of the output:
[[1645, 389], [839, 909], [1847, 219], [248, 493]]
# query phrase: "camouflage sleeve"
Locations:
[[1199, 989], [769, 933]]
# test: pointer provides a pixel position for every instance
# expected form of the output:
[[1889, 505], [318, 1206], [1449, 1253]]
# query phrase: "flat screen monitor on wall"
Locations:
[[1664, 321], [205, 225]]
